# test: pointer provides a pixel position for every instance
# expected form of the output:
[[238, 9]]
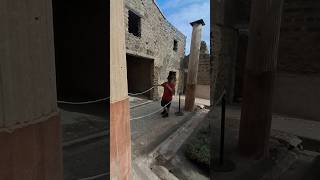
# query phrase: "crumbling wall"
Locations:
[[156, 41]]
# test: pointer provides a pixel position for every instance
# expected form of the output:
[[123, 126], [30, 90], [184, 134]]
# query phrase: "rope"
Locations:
[[95, 177], [136, 94], [150, 113], [103, 99], [84, 102]]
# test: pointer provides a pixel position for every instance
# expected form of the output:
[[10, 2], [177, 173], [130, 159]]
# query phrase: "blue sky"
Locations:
[[181, 12]]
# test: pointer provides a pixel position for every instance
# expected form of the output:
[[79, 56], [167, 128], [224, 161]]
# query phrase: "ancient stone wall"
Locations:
[[204, 69], [299, 49], [156, 41], [203, 77], [224, 36], [297, 83], [298, 78]]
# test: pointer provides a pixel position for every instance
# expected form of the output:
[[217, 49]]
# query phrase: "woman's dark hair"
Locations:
[[171, 76]]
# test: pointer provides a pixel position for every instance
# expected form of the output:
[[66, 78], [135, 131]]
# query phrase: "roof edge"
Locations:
[[158, 7]]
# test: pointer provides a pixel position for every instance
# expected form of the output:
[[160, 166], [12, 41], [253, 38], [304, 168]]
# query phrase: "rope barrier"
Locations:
[[103, 99], [84, 102], [95, 177], [136, 94], [150, 113]]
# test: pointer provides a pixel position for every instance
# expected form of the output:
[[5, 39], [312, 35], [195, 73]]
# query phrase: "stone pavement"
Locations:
[[300, 127], [85, 126], [86, 160], [150, 131], [79, 121], [198, 101], [85, 142], [305, 168], [138, 101], [283, 158]]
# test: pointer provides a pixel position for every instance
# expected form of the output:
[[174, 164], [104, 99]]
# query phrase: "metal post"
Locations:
[[223, 111], [224, 165], [179, 101], [179, 113]]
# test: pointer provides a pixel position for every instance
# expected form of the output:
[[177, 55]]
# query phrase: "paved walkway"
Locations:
[[80, 121], [85, 146], [149, 131], [198, 101], [299, 127], [138, 101], [290, 165]]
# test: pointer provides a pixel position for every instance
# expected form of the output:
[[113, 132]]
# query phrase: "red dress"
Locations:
[[167, 94]]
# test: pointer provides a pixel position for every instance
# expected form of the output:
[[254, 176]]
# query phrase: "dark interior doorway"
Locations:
[[81, 43], [140, 75]]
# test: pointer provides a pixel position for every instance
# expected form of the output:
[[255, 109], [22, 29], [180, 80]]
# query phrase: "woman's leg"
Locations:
[[164, 110], [167, 110]]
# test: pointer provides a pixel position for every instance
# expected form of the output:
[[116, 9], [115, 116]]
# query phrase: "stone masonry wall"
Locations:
[[224, 37], [156, 41], [298, 78], [203, 77], [299, 48], [297, 83], [204, 70]]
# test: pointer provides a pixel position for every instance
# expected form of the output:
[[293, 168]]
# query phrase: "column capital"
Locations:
[[200, 21]]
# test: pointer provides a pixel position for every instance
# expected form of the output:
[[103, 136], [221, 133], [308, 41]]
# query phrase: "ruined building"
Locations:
[[153, 46], [297, 80], [203, 77]]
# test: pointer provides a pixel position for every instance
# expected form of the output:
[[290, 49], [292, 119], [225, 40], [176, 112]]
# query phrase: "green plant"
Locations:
[[197, 148]]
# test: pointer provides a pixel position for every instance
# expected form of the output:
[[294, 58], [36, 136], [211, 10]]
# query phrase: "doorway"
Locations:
[[81, 55], [140, 75]]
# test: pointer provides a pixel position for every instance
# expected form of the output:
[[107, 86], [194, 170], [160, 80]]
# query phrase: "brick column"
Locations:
[[193, 64], [30, 132], [120, 133]]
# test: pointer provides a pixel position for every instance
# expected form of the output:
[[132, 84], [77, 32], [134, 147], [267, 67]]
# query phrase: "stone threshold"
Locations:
[[148, 164]]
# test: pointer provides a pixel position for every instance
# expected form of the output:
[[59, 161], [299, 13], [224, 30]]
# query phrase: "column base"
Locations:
[[120, 141], [33, 152], [190, 97]]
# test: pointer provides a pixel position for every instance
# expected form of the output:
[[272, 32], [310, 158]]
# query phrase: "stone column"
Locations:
[[120, 133], [256, 114], [193, 64], [30, 131]]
